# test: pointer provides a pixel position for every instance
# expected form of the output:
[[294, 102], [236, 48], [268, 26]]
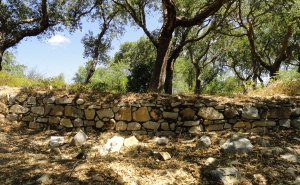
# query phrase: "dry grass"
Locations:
[[25, 156], [275, 88]]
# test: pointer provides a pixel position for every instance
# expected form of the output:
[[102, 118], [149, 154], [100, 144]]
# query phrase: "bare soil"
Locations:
[[25, 156]]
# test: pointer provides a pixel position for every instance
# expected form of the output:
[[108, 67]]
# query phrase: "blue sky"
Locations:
[[62, 53]]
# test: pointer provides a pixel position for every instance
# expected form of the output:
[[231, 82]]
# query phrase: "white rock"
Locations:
[[56, 141], [113, 145], [79, 139]]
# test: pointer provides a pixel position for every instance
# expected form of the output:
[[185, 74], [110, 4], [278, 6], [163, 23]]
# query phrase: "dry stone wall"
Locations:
[[162, 115]]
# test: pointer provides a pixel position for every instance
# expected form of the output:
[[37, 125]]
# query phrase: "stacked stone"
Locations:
[[147, 116]]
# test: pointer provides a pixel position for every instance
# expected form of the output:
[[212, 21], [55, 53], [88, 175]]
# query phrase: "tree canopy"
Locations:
[[244, 40], [20, 19]]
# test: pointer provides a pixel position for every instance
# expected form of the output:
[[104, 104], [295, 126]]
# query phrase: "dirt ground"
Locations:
[[25, 156]]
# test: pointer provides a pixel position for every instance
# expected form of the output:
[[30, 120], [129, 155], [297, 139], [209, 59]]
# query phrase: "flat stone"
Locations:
[[42, 120], [141, 115], [21, 98], [131, 141], [80, 101], [37, 110], [133, 126], [12, 117], [265, 123], [123, 114], [196, 130], [290, 150], [66, 122], [99, 124], [285, 123], [89, 113], [210, 113], [281, 113], [121, 126], [57, 111], [191, 123], [165, 126], [271, 151], [242, 124], [74, 112], [250, 113], [48, 108], [291, 157], [210, 161], [174, 104], [237, 145], [31, 101], [296, 122], [105, 113], [170, 115], [54, 120], [63, 100], [89, 123], [18, 109], [188, 114], [296, 112], [49, 100], [215, 127], [27, 118], [151, 125], [228, 175], [162, 155], [162, 141]]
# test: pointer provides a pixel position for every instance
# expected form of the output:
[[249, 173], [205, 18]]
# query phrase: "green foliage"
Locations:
[[224, 86], [184, 76], [56, 82], [80, 75], [140, 58], [6, 79], [139, 79], [288, 75], [110, 78], [11, 65]]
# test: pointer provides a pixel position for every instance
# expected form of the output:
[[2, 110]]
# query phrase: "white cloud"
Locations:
[[58, 40]]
